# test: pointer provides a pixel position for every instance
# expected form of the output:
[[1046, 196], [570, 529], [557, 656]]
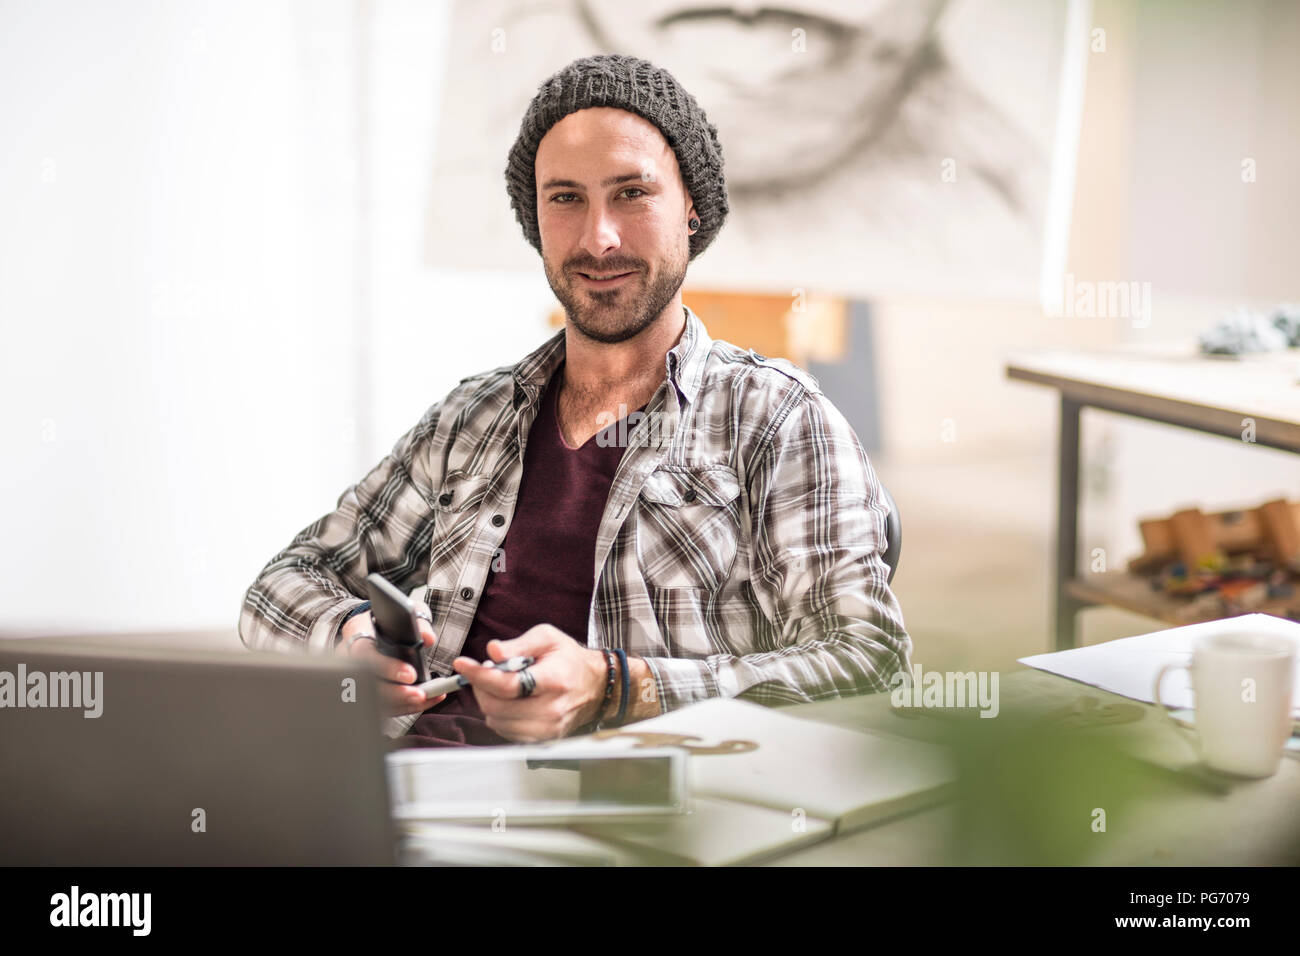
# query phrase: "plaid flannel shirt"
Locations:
[[739, 553]]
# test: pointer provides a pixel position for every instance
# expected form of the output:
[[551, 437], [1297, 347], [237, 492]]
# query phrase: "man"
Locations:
[[723, 539]]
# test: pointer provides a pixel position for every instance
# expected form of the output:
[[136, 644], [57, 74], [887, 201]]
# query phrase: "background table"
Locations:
[[1169, 384]]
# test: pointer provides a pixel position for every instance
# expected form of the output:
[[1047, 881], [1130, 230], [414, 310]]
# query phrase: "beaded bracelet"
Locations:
[[609, 688], [627, 680]]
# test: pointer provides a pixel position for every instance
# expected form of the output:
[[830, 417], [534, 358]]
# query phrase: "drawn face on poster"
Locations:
[[871, 147]]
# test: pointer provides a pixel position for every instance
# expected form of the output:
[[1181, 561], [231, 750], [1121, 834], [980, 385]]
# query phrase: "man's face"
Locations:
[[610, 201]]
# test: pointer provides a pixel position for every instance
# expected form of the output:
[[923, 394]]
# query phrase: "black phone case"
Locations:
[[397, 628]]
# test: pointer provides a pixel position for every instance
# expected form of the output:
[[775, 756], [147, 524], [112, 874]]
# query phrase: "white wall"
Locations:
[[430, 327], [215, 311], [1216, 84], [176, 289], [1209, 84]]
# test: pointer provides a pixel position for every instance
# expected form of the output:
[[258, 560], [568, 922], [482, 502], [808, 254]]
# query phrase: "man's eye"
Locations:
[[633, 189], [558, 196]]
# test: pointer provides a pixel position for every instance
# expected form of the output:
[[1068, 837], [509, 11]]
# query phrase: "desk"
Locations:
[[1169, 384], [1254, 824], [1173, 825]]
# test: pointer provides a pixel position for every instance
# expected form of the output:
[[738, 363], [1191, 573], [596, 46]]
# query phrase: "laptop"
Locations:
[[124, 756]]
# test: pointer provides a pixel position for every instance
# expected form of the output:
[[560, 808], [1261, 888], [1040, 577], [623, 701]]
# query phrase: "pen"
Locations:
[[445, 685]]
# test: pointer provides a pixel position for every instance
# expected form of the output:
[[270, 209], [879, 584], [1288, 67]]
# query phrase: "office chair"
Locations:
[[893, 535]]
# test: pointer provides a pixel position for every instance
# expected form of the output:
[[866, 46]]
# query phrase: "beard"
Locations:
[[618, 314]]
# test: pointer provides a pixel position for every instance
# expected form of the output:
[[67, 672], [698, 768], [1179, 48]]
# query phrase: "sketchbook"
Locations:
[[765, 757]]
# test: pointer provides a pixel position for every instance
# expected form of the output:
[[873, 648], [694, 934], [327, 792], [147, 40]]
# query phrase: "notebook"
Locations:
[[798, 767], [467, 844], [779, 783], [715, 833]]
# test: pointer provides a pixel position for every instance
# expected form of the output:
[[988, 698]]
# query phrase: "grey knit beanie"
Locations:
[[638, 86]]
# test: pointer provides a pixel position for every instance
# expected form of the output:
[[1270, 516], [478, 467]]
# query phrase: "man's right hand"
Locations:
[[395, 699]]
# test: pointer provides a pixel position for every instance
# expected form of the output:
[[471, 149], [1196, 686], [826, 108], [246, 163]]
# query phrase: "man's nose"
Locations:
[[599, 231]]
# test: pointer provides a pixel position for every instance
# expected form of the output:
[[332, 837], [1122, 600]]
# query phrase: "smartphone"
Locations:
[[397, 626]]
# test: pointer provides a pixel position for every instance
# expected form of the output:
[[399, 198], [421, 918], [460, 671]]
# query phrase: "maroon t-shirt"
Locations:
[[548, 570]]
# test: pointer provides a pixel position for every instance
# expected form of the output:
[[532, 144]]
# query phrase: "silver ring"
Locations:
[[347, 648], [526, 683]]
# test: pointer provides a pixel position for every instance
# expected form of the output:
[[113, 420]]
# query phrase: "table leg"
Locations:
[[1067, 522]]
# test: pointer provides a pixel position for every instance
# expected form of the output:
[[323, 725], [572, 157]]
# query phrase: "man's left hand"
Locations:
[[570, 685]]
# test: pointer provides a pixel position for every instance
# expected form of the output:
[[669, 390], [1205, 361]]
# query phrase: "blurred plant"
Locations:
[[1029, 793]]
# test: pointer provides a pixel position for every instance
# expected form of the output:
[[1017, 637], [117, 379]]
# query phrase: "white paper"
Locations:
[[1129, 666]]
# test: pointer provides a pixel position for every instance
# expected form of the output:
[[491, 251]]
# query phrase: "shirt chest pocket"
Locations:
[[455, 515], [687, 527]]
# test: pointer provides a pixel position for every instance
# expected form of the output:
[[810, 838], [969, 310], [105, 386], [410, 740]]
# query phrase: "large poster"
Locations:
[[872, 148]]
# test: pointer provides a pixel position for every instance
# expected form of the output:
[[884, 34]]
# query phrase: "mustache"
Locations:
[[603, 268]]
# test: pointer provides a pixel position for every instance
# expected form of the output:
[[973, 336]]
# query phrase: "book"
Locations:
[[848, 778], [476, 844], [715, 833]]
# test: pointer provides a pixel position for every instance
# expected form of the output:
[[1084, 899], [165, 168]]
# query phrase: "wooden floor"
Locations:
[[975, 576]]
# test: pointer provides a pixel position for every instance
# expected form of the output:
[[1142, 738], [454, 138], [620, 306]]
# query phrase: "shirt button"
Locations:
[[466, 593], [690, 495], [445, 498], [498, 520]]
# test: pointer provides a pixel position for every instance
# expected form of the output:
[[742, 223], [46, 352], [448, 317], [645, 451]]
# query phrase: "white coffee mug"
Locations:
[[1242, 684]]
